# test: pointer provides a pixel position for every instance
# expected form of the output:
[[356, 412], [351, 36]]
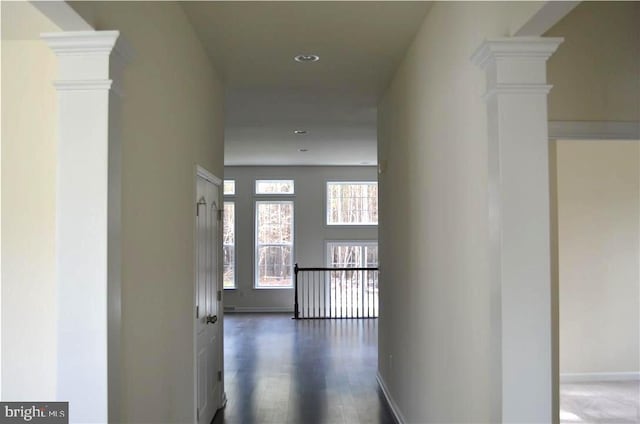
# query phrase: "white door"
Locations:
[[208, 323]]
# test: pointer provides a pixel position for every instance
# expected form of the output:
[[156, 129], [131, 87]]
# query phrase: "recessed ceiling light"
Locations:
[[303, 150], [307, 58], [300, 132]]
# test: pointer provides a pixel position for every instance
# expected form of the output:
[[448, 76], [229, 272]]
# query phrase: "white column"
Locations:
[[88, 202], [519, 212]]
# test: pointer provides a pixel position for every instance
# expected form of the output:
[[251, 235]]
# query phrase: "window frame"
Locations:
[[272, 180], [229, 199], [350, 224], [360, 242], [266, 198], [231, 195]]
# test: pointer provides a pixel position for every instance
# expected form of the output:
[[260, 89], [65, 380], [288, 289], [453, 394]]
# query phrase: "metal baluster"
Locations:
[[366, 291], [361, 294], [351, 294], [368, 299], [341, 295], [324, 294], [319, 276], [295, 292], [330, 295], [308, 296]]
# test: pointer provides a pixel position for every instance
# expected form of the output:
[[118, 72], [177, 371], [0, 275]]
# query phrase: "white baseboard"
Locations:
[[599, 376], [395, 410], [257, 309]]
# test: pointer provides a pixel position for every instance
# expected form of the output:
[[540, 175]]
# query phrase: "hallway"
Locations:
[[278, 370]]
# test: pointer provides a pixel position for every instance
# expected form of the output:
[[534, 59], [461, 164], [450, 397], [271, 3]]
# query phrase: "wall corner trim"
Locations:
[[395, 409]]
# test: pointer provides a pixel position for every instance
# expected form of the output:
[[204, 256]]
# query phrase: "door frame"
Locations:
[[202, 172], [584, 131]]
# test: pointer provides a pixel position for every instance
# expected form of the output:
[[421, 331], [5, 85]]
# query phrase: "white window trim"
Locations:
[[361, 242], [235, 186], [272, 199], [273, 180], [229, 198], [351, 224]]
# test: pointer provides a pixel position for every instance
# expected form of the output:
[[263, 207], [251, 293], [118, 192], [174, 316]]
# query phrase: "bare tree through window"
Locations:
[[352, 203], [274, 244], [229, 245]]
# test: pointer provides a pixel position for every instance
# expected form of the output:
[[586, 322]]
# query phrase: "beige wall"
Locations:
[[596, 71], [599, 254], [28, 206], [172, 119], [439, 325]]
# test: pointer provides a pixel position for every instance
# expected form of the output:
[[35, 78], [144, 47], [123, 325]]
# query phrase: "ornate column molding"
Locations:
[[89, 60], [88, 221], [516, 96], [516, 65]]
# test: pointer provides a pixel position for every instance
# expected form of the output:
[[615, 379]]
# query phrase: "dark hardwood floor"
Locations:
[[278, 370]]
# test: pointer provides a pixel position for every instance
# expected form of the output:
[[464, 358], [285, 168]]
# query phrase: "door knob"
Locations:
[[211, 319]]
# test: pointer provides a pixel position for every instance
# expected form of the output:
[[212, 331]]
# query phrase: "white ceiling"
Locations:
[[269, 95]]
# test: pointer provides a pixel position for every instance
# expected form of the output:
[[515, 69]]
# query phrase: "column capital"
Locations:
[[515, 48], [516, 65], [78, 43], [87, 60]]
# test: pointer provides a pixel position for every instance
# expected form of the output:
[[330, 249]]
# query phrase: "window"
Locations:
[[274, 244], [352, 203], [229, 187], [274, 187], [229, 245], [352, 254]]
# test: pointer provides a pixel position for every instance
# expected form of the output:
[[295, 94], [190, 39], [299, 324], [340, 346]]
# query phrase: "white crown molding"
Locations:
[[76, 43], [594, 130], [515, 47], [87, 85], [395, 410], [599, 376]]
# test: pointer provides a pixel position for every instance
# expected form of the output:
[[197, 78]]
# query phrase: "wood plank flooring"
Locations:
[[278, 371]]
